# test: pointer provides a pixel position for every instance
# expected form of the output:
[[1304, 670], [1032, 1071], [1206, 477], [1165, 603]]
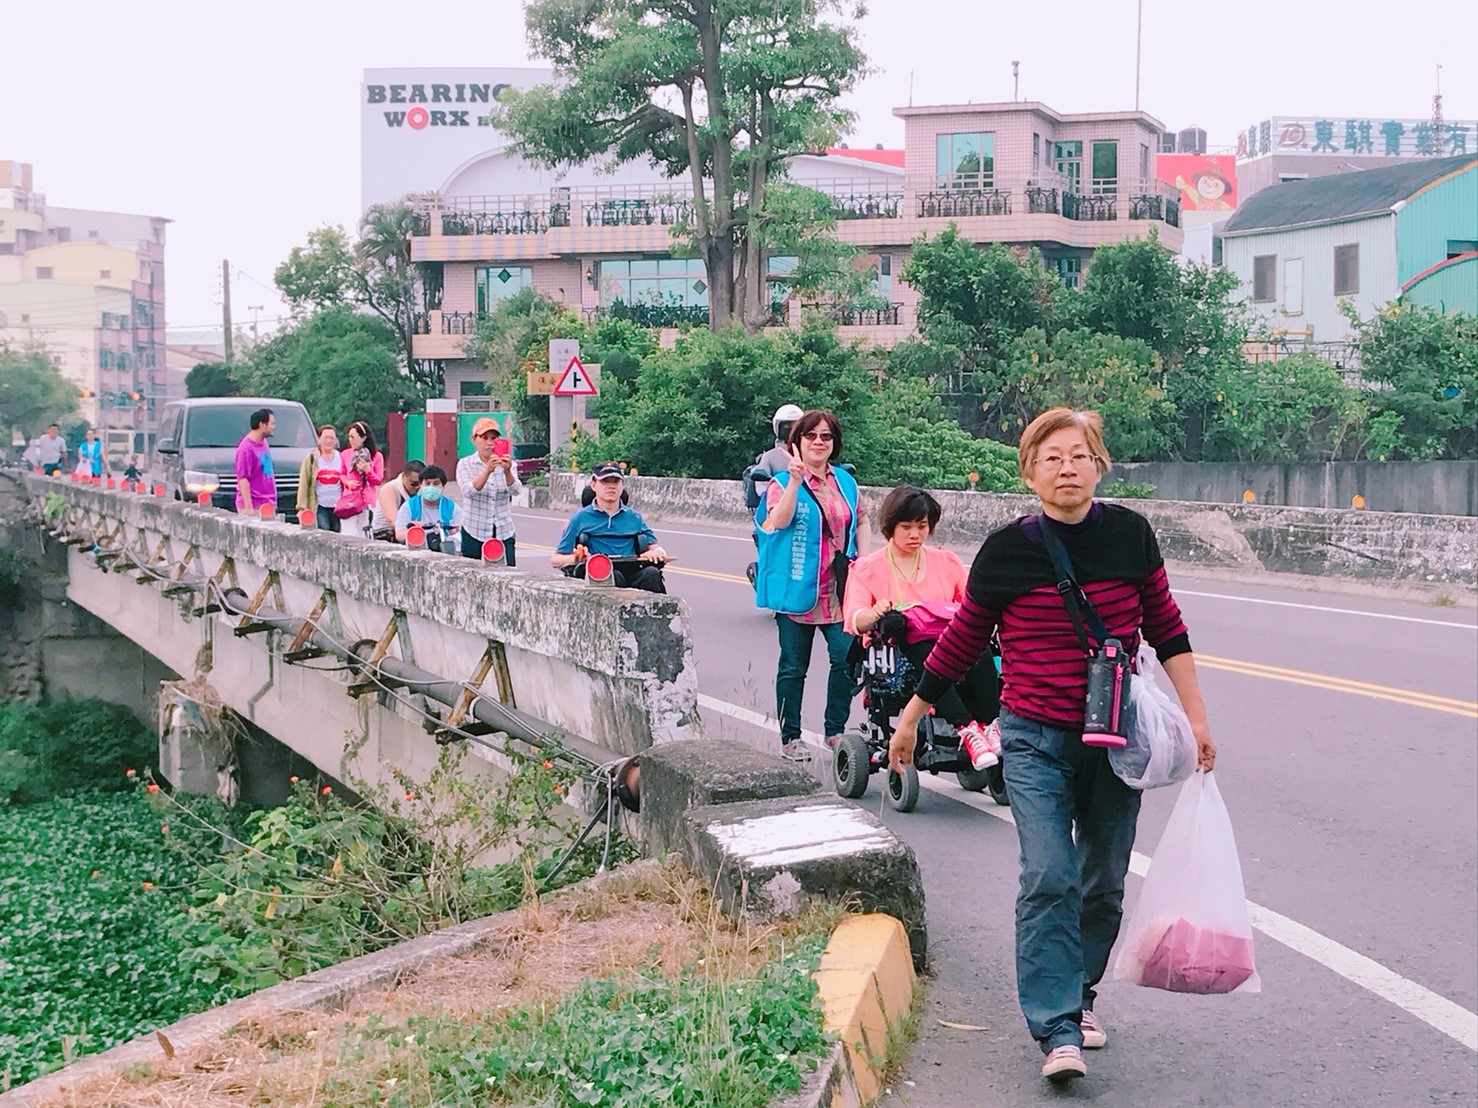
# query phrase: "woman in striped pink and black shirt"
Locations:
[[1075, 819]]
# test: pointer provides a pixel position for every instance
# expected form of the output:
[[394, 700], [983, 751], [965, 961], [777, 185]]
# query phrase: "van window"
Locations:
[[219, 426], [530, 449]]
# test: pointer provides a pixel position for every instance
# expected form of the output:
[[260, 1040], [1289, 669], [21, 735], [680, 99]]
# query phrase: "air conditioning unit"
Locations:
[[477, 403]]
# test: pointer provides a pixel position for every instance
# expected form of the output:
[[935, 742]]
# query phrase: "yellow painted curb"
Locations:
[[866, 982]]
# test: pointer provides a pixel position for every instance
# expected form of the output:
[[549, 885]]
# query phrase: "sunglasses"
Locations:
[[817, 436]]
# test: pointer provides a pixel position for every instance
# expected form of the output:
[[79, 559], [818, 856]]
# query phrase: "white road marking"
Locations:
[[1447, 1016], [1324, 608]]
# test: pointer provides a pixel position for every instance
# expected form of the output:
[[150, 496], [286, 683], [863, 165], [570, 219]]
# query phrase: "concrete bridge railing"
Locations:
[[612, 666]]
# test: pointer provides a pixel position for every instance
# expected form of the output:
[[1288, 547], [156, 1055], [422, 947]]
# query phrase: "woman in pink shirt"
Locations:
[[907, 574], [364, 472]]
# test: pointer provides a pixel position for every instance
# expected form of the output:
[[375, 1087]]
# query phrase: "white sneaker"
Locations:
[[1064, 1064], [976, 742], [1094, 1036], [797, 751]]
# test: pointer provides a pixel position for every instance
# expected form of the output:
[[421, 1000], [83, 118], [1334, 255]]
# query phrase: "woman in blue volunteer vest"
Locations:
[[91, 450], [811, 527]]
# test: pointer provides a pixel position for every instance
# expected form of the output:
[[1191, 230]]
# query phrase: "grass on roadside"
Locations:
[[634, 990]]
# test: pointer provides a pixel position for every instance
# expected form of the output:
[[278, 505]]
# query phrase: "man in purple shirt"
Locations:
[[255, 483]]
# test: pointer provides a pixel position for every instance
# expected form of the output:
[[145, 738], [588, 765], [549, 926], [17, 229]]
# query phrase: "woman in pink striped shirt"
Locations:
[[1074, 818]]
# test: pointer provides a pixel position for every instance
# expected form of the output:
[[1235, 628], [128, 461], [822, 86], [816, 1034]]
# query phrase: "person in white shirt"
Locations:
[[391, 496], [434, 512], [488, 481]]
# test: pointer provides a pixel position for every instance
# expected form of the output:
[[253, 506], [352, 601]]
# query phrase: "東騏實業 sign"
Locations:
[[1351, 136]]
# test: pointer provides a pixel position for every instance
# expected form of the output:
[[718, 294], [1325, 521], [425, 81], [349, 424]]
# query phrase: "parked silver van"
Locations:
[[195, 449]]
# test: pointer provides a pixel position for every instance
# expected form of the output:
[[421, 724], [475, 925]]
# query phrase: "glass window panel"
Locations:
[[645, 267], [1105, 167]]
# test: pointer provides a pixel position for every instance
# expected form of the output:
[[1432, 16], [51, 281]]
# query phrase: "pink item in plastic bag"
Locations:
[[927, 621], [1191, 959]]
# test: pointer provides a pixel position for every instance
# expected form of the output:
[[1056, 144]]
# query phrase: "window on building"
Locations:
[[104, 274], [1265, 278], [1347, 269], [7, 248], [43, 273], [1284, 178], [1105, 168], [676, 282], [1293, 286], [1068, 157], [473, 388], [1458, 247], [1036, 153], [498, 282], [1144, 165], [966, 160], [1069, 270]]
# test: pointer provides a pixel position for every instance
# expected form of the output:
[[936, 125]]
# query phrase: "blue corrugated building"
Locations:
[[1369, 237]]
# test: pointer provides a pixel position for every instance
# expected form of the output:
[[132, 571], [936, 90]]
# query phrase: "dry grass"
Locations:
[[648, 918]]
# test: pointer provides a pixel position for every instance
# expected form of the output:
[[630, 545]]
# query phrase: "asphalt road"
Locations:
[[1348, 738]]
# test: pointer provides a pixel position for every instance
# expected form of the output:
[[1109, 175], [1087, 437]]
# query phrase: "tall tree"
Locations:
[[723, 92], [211, 379], [33, 393], [375, 273]]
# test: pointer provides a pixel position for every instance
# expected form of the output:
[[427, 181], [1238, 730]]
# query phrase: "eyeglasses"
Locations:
[[486, 435], [1053, 462], [817, 436]]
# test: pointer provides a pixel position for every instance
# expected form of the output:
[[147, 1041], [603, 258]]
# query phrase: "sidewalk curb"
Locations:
[[866, 985]]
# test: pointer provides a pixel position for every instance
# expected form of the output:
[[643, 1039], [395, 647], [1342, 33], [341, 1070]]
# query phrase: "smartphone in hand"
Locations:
[[502, 447]]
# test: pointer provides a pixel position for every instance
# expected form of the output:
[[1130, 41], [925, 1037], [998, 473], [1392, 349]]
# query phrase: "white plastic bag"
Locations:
[[1190, 932], [1161, 749]]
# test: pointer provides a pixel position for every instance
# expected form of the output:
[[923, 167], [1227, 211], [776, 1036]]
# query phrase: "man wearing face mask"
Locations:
[[432, 510]]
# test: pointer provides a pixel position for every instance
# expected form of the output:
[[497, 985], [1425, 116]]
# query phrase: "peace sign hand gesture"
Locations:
[[797, 467]]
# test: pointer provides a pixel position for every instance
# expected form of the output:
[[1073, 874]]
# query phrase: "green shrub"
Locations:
[[64, 746], [1128, 490], [691, 1042]]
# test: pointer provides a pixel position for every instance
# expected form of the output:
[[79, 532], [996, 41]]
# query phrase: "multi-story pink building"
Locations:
[[1015, 173], [87, 287]]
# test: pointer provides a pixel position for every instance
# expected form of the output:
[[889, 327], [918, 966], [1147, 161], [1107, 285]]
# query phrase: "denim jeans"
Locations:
[[327, 521], [1072, 891], [790, 675], [472, 548]]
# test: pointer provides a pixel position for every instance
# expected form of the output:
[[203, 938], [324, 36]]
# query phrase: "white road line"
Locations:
[[1447, 1016], [1324, 608]]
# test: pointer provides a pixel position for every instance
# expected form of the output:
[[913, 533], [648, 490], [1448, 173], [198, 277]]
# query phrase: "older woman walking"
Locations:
[[1075, 819], [320, 479], [811, 528]]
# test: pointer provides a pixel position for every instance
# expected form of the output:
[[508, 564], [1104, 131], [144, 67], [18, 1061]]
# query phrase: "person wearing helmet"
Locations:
[[777, 458]]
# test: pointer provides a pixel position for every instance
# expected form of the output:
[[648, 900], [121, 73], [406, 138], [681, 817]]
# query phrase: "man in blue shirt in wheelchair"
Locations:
[[606, 525]]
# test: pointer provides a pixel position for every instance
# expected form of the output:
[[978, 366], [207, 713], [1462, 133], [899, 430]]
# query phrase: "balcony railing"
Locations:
[[623, 206], [958, 203], [850, 316], [452, 323]]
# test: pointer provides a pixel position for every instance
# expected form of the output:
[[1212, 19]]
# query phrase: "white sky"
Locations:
[[240, 120]]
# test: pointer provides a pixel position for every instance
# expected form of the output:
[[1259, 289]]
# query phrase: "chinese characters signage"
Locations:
[[1206, 182], [1342, 136]]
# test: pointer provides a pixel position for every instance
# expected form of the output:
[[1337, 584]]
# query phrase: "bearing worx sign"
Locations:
[[418, 127]]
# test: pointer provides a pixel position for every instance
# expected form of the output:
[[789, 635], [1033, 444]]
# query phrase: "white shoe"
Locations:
[[1064, 1064], [1094, 1036]]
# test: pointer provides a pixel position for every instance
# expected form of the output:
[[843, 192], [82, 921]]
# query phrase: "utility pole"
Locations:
[[226, 306], [1138, 49], [256, 310]]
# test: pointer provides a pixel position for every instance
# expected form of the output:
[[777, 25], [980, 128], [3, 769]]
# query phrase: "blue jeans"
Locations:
[[326, 519], [1072, 891], [790, 675]]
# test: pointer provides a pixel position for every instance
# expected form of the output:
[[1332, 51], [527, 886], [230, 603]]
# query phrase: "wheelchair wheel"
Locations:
[[974, 780], [903, 789], [852, 764], [996, 784]]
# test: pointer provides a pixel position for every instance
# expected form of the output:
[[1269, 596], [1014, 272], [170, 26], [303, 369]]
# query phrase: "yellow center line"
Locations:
[[1327, 682]]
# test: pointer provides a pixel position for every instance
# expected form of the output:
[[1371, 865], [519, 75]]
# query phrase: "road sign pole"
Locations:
[[561, 351]]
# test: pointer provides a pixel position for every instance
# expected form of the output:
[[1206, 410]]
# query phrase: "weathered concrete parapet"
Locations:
[[1387, 547], [766, 858], [682, 775], [612, 665]]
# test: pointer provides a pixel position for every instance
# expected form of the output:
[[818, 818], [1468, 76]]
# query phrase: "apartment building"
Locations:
[[1016, 173], [88, 288]]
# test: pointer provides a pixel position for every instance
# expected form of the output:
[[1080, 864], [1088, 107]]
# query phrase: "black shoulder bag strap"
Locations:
[[1072, 593]]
